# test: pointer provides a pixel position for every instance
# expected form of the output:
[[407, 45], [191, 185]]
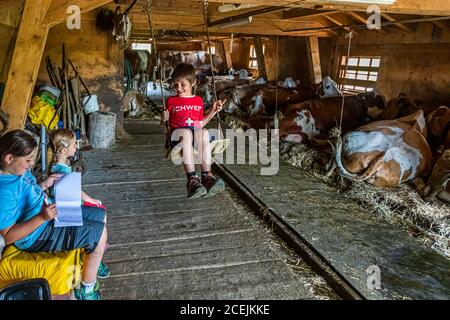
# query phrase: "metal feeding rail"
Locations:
[[295, 240]]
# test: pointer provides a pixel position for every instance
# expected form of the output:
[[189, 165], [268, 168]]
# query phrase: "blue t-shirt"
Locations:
[[21, 198], [58, 168], [61, 168]]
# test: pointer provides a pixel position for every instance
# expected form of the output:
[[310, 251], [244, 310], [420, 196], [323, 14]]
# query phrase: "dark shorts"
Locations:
[[86, 236], [174, 143]]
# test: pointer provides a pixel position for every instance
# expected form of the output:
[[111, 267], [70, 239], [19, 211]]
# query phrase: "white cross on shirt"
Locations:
[[189, 121]]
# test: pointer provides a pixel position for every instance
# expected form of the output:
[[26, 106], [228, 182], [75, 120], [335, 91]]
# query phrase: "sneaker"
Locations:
[[213, 185], [103, 271], [194, 188], [80, 294]]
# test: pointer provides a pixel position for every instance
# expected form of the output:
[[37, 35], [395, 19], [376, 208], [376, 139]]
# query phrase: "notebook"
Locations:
[[68, 200]]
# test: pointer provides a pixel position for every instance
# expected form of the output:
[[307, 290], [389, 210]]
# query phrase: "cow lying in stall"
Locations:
[[438, 124], [257, 104], [385, 153], [402, 106], [205, 90], [438, 184], [315, 118]]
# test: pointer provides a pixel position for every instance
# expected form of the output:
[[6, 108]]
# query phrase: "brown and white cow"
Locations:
[[402, 106], [438, 184], [386, 153], [315, 118], [263, 99]]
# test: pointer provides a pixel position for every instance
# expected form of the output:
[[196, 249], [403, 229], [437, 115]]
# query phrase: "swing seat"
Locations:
[[219, 146]]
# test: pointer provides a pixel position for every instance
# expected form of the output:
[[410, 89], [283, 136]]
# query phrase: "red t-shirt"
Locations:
[[185, 112]]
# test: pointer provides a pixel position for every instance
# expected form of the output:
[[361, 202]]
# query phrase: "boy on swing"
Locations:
[[187, 122]]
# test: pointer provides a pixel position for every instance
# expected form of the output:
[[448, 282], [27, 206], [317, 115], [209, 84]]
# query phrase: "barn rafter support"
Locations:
[[399, 25], [421, 7], [57, 13], [37, 18]]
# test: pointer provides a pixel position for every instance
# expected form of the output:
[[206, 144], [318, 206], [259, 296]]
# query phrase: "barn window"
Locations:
[[362, 73], [253, 62]]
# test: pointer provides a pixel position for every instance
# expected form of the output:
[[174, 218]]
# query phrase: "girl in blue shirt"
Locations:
[[63, 143], [26, 219]]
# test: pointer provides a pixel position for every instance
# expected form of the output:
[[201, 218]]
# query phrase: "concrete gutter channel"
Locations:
[[341, 241]]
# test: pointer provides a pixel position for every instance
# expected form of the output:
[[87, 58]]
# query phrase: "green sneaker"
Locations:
[[80, 294], [103, 271]]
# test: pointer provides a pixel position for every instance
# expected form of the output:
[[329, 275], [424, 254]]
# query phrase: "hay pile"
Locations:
[[401, 206]]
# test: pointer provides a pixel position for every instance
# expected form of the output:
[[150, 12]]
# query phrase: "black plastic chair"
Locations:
[[33, 289]]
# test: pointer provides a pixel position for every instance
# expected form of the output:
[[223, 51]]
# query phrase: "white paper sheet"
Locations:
[[68, 200]]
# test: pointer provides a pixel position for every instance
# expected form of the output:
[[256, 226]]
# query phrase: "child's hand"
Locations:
[[50, 181], [97, 202], [218, 105], [48, 212]]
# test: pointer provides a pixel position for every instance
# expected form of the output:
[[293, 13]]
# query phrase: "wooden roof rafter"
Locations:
[[420, 7], [399, 25]]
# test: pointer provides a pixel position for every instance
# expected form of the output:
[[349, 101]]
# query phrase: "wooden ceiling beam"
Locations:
[[399, 25], [360, 19], [58, 10], [339, 22], [441, 25], [420, 7], [305, 13]]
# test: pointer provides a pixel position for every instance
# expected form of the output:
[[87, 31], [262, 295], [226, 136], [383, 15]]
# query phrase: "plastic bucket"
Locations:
[[90, 104], [54, 91], [102, 129]]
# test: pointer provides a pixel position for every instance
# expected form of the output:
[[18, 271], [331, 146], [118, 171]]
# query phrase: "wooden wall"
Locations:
[[97, 57], [417, 63], [9, 25], [292, 57]]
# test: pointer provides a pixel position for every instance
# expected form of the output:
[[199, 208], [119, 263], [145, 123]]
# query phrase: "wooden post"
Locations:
[[37, 18], [227, 54], [314, 58], [260, 57], [27, 56]]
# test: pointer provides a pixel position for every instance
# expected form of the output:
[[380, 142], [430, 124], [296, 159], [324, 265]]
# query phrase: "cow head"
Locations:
[[438, 124], [233, 101], [258, 104], [330, 88]]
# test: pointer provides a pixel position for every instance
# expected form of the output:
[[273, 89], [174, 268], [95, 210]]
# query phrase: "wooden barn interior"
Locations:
[[122, 52]]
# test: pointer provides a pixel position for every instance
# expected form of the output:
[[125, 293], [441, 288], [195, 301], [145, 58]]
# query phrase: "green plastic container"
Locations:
[[48, 98]]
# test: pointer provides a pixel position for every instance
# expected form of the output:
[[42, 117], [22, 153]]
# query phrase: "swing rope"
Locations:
[[205, 17], [275, 117], [157, 64], [350, 36]]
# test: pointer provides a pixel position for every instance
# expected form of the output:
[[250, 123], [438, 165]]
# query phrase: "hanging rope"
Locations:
[[350, 36], [275, 118], [205, 17], [156, 63]]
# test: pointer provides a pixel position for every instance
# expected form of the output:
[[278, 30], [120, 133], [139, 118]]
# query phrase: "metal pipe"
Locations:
[[383, 24], [43, 150]]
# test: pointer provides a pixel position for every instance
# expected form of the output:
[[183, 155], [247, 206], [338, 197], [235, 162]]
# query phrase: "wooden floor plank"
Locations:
[[164, 246]]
